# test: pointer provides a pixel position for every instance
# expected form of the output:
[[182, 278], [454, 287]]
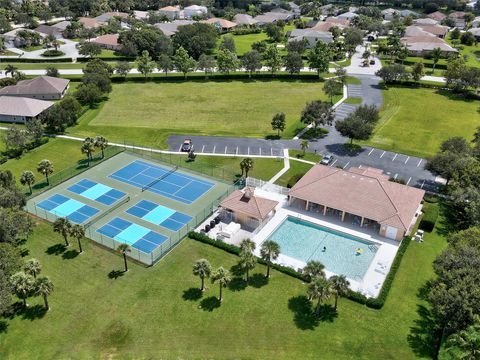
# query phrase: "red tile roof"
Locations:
[[247, 203], [363, 192]]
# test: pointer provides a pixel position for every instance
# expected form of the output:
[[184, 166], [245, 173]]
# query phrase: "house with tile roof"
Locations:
[[20, 110], [172, 12], [364, 196], [41, 87], [108, 41]]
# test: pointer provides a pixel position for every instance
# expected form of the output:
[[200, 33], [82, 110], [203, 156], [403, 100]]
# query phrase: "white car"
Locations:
[[327, 159]]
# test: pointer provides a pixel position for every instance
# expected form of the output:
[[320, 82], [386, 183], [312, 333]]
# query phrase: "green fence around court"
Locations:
[[145, 258], [68, 173]]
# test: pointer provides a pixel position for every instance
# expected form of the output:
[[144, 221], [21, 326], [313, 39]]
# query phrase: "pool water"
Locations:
[[337, 251]]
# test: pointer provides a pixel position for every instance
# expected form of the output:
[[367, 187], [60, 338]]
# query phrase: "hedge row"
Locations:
[[36, 61], [374, 303]]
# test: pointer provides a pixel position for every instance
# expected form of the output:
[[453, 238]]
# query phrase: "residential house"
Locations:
[[425, 21], [244, 20], [15, 40], [140, 15], [348, 15], [89, 23], [362, 196], [338, 21], [195, 11], [389, 14], [459, 18], [297, 11], [438, 16], [408, 13], [327, 25], [310, 36], [21, 109], [105, 17], [475, 32], [289, 15], [108, 41], [41, 87], [417, 29], [48, 30], [221, 24], [476, 22], [172, 12], [170, 28], [423, 44]]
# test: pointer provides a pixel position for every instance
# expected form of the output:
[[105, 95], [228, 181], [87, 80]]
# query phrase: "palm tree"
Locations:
[[465, 345], [32, 267], [247, 263], [44, 287], [22, 286], [28, 179], [314, 269], [101, 143], [63, 227], [246, 165], [269, 251], [45, 167], [320, 290], [203, 269], [221, 276], [78, 232], [10, 69], [304, 146], [124, 249], [436, 55], [340, 286], [88, 148], [247, 245]]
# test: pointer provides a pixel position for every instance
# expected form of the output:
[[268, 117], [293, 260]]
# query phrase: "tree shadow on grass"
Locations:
[[327, 313], [115, 274], [237, 284], [70, 254], [258, 280], [304, 317], [34, 312], [425, 335], [3, 326], [236, 270], [209, 304], [192, 294], [56, 249]]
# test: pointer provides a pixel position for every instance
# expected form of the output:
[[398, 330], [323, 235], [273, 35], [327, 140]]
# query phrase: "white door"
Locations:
[[391, 232]]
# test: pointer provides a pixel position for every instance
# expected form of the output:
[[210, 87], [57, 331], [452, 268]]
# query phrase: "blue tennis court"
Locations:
[[132, 234], [159, 215], [98, 192], [174, 185], [63, 206]]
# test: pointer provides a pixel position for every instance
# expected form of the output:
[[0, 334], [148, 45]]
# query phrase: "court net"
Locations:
[[160, 178], [105, 213]]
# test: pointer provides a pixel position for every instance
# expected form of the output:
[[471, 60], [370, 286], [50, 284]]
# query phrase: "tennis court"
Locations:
[[163, 181], [137, 236], [63, 206], [99, 192], [159, 215]]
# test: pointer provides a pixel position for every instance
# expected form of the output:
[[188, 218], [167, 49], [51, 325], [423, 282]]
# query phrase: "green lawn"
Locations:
[[228, 108], [470, 53], [154, 312], [416, 121], [243, 43]]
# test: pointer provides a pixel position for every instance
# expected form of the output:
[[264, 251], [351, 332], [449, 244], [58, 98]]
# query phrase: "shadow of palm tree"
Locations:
[[327, 313], [70, 254], [34, 312], [236, 270], [304, 317], [425, 335], [209, 304], [237, 284], [258, 280], [192, 294], [3, 327], [115, 274], [56, 249]]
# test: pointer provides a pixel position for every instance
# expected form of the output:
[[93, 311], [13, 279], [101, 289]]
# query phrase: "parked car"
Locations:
[[187, 145], [327, 159], [372, 62]]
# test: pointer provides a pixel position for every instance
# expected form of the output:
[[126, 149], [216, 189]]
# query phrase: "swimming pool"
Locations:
[[305, 241]]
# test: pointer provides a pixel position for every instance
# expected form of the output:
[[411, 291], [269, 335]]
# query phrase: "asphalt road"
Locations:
[[410, 169]]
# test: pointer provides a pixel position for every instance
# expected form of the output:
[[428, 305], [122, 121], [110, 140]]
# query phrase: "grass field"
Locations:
[[416, 121], [470, 53], [235, 108], [155, 312]]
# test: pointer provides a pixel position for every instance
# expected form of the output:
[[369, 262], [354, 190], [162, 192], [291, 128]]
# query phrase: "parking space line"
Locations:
[[395, 157], [408, 158], [410, 178], [419, 162], [346, 164], [423, 183], [382, 154], [370, 152], [395, 177], [271, 151], [260, 148], [180, 148], [214, 146], [225, 149], [334, 162], [203, 148], [236, 152]]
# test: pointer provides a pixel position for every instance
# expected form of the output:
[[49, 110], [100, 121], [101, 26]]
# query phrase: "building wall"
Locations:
[[172, 15], [56, 96], [383, 232], [13, 119]]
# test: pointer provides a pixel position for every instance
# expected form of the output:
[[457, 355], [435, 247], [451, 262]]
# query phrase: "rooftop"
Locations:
[[108, 39], [38, 85], [21, 106], [246, 202]]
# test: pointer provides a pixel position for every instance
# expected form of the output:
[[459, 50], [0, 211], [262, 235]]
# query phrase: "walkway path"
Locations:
[[286, 166]]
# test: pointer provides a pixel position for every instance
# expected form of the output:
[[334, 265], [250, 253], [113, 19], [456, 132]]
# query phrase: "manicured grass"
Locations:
[[470, 53], [416, 121], [8, 53], [354, 101], [229, 108], [243, 43], [296, 171], [156, 313]]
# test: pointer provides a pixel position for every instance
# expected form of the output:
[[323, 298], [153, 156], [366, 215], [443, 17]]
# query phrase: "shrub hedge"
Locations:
[[374, 303]]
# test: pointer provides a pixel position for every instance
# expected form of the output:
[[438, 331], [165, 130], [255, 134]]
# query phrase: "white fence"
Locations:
[[265, 185]]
